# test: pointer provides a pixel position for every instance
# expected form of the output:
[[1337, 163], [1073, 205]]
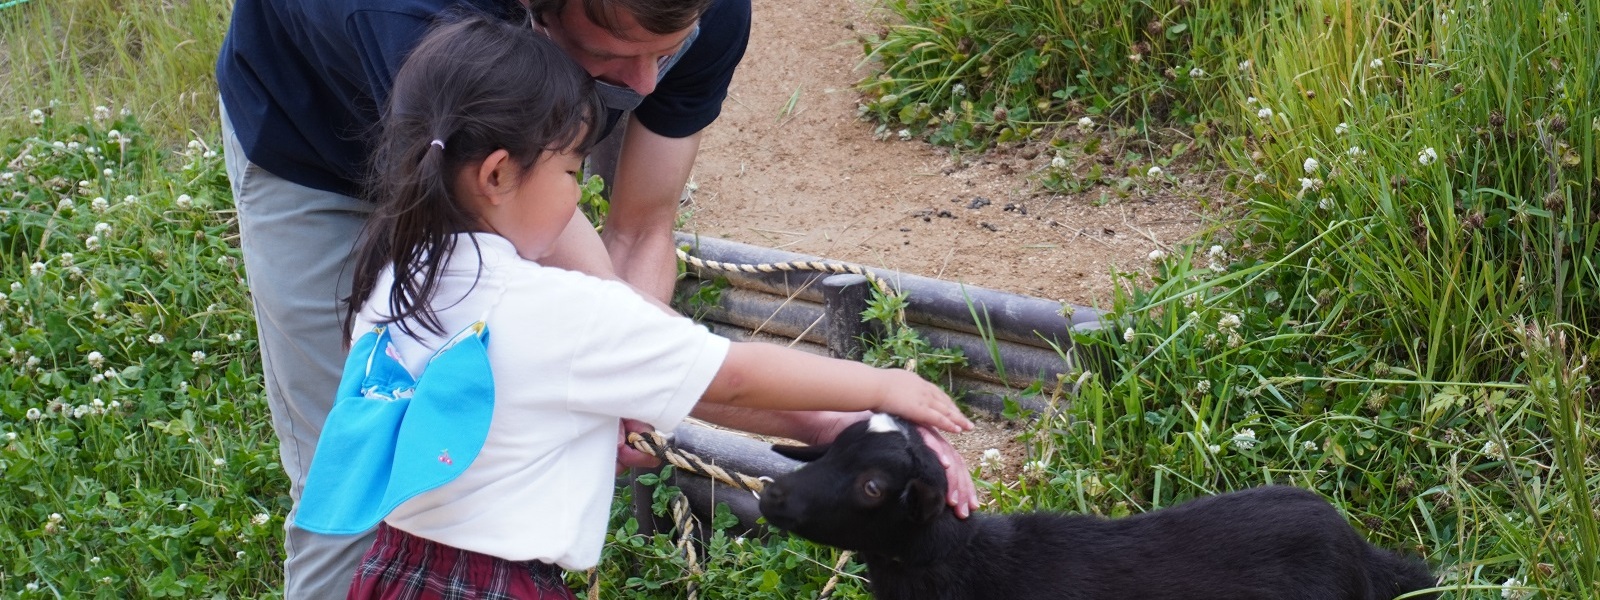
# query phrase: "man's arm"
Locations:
[[651, 173]]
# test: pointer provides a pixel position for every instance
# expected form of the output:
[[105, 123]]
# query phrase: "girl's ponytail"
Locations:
[[473, 85]]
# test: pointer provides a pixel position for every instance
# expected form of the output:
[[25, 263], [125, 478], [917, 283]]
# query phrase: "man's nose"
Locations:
[[641, 75]]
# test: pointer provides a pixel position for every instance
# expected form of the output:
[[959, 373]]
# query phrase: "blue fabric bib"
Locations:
[[391, 437]]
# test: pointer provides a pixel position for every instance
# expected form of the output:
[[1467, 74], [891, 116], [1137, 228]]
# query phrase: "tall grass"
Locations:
[[153, 59]]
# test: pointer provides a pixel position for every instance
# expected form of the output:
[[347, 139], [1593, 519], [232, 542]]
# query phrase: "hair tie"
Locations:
[[439, 143]]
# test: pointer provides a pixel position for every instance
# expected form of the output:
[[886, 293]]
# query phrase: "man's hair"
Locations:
[[660, 17]]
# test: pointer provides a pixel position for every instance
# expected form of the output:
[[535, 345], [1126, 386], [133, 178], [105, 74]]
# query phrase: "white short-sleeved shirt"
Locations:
[[571, 355]]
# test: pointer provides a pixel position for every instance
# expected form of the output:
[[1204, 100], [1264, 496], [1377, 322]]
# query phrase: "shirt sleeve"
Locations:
[[638, 362], [690, 96]]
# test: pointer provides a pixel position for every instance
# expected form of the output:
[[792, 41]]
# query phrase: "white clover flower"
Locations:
[[1157, 255], [1244, 65], [991, 460], [1311, 165], [1356, 152], [1325, 204], [36, 269], [98, 405], [1264, 114], [1342, 128], [198, 357], [183, 201], [95, 358], [239, 555], [183, 506], [16, 286], [99, 204], [1493, 450], [1310, 184], [7, 176], [1197, 73], [156, 338], [1153, 172], [1250, 100], [107, 172], [65, 204], [101, 113], [1127, 335], [1245, 439], [75, 146], [209, 154], [96, 378], [1309, 446], [1261, 178], [79, 411], [219, 462], [1427, 156], [958, 90], [1204, 385], [1377, 63], [115, 404], [1213, 448], [260, 519], [36, 117], [34, 414], [1510, 589], [102, 228], [92, 243], [233, 337], [115, 136], [1033, 470], [130, 199], [1229, 322], [66, 258], [1561, 19], [32, 362], [1085, 122], [1215, 251], [1059, 162]]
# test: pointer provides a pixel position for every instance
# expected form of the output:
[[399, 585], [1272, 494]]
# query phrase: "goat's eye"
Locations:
[[870, 488]]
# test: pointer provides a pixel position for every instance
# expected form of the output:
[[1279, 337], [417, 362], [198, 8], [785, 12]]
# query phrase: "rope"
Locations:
[[838, 569], [685, 522], [654, 444], [789, 267]]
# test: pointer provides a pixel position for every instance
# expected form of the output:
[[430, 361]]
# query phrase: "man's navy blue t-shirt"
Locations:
[[304, 80]]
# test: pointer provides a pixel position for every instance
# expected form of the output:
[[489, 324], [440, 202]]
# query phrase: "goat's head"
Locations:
[[870, 490]]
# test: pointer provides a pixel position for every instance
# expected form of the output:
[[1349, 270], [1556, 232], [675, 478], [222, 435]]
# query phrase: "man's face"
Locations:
[[631, 60]]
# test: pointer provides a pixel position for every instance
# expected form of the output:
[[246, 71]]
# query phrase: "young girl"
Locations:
[[479, 410]]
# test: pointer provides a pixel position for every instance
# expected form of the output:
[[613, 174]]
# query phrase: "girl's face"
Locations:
[[539, 204]]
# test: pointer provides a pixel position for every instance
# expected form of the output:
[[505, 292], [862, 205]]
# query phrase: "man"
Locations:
[[302, 84]]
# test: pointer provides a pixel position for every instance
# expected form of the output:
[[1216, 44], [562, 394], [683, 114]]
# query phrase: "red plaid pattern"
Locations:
[[401, 566]]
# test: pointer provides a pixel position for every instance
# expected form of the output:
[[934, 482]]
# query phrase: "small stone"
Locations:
[[988, 227], [978, 202]]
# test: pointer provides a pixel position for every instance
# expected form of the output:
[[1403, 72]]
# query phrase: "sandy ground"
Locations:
[[812, 179]]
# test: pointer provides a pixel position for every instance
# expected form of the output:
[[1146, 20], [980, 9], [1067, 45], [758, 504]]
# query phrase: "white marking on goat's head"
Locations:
[[885, 423]]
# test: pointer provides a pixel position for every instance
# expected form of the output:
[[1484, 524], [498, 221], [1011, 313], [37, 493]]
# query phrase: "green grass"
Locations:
[[1406, 332]]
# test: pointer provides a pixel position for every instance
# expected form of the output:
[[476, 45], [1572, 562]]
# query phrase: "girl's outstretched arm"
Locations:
[[759, 375]]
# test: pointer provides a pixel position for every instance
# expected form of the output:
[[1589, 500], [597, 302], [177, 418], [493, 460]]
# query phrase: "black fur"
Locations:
[[1273, 542]]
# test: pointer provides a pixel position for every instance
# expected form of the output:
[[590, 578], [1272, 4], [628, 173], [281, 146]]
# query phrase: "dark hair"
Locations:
[[473, 85], [655, 16]]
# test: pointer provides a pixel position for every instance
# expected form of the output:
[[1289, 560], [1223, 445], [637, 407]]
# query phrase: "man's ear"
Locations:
[[802, 453], [496, 176], [923, 499]]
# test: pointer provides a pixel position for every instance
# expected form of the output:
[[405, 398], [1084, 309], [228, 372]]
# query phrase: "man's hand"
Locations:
[[627, 456], [962, 494]]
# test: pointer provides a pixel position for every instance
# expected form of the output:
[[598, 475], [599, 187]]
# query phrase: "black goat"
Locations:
[[879, 490]]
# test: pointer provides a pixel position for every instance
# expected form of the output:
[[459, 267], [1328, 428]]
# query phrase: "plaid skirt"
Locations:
[[401, 566]]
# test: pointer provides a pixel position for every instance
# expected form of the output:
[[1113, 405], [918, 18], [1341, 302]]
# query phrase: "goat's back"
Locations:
[[1268, 543]]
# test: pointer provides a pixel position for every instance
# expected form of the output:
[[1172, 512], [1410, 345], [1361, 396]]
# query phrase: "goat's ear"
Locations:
[[924, 501], [802, 453]]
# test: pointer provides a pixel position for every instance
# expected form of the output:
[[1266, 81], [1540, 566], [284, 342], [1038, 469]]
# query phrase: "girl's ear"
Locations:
[[496, 177]]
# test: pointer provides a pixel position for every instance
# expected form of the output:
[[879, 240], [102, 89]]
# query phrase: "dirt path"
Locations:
[[815, 181]]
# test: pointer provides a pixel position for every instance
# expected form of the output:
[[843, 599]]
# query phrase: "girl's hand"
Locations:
[[908, 395]]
